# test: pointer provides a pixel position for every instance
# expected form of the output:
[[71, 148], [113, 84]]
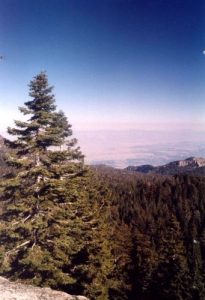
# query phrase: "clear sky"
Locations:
[[112, 62]]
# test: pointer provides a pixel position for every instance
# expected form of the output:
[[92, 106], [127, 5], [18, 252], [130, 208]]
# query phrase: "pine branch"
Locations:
[[24, 110], [16, 249]]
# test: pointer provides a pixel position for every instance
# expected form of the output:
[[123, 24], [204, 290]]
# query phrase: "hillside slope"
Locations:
[[191, 165]]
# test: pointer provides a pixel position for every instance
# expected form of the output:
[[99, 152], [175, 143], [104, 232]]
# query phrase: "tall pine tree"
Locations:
[[46, 224]]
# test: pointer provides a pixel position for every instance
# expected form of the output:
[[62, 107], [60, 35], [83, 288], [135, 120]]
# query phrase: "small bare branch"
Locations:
[[17, 248]]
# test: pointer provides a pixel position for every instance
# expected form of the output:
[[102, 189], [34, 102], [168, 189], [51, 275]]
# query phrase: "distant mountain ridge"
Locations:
[[191, 165], [1, 141], [2, 153]]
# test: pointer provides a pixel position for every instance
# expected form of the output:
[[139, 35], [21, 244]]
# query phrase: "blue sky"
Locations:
[[115, 64], [112, 62]]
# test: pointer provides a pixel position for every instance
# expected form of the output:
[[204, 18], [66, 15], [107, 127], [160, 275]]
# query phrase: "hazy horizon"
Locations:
[[116, 65], [121, 148], [137, 147]]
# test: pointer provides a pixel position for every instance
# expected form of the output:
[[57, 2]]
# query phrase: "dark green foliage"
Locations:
[[163, 220], [3, 151], [47, 220]]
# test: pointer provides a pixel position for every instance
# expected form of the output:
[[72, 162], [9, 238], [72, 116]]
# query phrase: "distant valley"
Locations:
[[123, 148], [148, 157]]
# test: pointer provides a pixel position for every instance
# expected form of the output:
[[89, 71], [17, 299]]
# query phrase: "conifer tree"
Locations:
[[171, 279], [47, 219]]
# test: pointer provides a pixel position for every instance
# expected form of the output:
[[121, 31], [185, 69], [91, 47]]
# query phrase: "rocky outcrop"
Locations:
[[191, 165], [17, 291]]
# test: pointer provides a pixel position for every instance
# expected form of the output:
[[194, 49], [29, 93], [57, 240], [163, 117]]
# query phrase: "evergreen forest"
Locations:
[[96, 231]]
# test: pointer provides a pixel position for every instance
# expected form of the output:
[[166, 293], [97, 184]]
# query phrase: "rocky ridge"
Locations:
[[18, 291], [191, 165]]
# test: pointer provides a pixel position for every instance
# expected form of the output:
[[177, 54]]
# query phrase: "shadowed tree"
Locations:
[[171, 279]]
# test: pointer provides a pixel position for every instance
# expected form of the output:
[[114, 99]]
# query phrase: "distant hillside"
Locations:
[[1, 142], [191, 165], [4, 168], [2, 153]]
